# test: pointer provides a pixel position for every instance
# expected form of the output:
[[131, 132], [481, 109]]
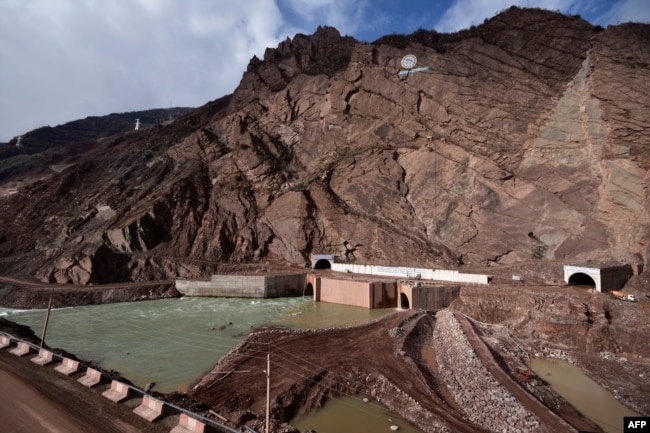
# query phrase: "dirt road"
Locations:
[[39, 285], [34, 294]]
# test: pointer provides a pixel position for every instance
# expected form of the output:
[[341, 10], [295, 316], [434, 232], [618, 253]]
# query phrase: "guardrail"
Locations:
[[211, 423]]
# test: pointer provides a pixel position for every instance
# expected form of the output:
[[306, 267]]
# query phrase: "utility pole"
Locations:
[[268, 390], [47, 317]]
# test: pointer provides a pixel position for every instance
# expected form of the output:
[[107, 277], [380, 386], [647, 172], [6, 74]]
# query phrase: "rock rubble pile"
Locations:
[[485, 401]]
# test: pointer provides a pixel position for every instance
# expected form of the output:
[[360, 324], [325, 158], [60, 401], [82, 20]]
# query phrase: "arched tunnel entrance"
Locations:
[[308, 290], [581, 279], [404, 301], [323, 264]]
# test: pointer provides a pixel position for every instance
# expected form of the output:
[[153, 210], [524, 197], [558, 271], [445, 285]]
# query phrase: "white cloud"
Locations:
[[62, 60]]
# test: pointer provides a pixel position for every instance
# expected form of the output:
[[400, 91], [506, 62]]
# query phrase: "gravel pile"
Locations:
[[483, 399]]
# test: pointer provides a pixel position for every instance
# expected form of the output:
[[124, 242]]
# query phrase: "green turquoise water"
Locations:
[[173, 342]]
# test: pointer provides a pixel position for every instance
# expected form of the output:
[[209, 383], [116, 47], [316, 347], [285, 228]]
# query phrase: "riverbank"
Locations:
[[383, 359]]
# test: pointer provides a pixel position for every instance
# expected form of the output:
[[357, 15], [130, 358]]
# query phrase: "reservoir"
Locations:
[[173, 342]]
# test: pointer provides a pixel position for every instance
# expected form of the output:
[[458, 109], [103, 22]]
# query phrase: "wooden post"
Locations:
[[268, 390], [47, 318]]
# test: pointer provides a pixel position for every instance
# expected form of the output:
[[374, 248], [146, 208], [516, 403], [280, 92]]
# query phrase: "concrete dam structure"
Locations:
[[359, 293], [363, 291], [372, 293], [245, 286]]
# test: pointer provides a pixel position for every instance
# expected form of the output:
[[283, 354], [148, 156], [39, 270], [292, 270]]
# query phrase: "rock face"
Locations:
[[526, 140]]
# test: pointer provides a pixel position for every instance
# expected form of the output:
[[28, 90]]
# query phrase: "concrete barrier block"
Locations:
[[67, 366], [93, 377], [188, 424], [118, 391], [150, 409], [21, 349], [4, 341], [44, 357]]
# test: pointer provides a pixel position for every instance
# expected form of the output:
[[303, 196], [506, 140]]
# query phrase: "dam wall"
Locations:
[[427, 297], [358, 293], [245, 286], [412, 273]]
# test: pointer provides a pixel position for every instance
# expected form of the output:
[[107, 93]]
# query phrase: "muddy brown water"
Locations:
[[588, 397], [351, 414]]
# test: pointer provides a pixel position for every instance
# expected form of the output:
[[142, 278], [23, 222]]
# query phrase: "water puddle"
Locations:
[[351, 414], [588, 397]]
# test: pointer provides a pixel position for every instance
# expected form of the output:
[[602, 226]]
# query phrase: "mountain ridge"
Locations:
[[525, 141]]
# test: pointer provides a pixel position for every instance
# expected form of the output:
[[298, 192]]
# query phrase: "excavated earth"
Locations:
[[444, 371]]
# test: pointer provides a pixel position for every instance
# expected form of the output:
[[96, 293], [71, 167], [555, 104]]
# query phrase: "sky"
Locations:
[[62, 60]]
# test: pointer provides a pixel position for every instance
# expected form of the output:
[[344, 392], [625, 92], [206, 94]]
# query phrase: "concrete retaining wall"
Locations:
[[347, 292], [365, 294], [433, 297], [614, 277], [412, 273], [245, 286]]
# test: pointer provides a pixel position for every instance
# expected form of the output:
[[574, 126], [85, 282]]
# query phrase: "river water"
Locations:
[[173, 342], [589, 398]]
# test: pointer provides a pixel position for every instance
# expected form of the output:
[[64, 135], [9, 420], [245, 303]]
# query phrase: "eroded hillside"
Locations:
[[526, 140]]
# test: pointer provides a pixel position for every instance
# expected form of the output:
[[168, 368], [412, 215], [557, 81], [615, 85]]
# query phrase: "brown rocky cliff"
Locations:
[[526, 140]]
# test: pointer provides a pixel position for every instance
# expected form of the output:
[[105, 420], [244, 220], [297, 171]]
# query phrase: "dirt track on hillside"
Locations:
[[24, 294]]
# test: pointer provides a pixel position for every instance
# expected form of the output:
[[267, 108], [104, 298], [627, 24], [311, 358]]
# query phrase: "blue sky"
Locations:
[[62, 60]]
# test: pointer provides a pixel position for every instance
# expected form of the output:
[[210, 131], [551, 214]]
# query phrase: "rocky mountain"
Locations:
[[46, 145], [524, 142]]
